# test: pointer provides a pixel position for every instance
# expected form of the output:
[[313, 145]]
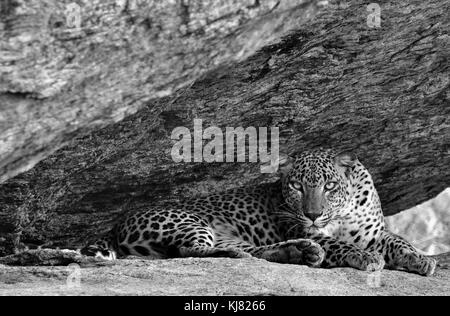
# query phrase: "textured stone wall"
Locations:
[[334, 82]]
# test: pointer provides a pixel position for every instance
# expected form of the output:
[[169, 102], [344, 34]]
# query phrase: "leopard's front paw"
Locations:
[[366, 261], [305, 252], [420, 264]]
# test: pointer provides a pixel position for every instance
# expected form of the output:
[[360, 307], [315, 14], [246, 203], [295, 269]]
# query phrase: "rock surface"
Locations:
[[211, 277]]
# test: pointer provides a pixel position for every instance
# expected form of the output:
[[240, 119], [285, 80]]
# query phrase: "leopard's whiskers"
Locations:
[[287, 220], [293, 227]]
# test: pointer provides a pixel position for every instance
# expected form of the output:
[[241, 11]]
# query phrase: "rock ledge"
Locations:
[[212, 277]]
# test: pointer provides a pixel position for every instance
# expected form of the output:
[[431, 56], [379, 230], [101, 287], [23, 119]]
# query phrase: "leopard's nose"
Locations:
[[312, 215]]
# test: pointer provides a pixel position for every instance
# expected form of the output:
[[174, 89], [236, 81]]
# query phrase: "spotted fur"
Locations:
[[325, 212]]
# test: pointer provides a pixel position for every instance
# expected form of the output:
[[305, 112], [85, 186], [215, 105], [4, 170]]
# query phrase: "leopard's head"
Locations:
[[316, 186]]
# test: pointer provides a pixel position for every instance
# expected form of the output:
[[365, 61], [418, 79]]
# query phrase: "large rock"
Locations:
[[381, 92], [68, 67], [427, 226], [216, 277]]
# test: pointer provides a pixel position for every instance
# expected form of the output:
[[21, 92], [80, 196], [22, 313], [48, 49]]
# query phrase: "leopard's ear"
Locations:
[[285, 163], [345, 161]]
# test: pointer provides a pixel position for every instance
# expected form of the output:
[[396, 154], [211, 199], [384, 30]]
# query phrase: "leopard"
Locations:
[[324, 211]]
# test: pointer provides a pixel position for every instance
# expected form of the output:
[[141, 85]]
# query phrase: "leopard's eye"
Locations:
[[330, 186], [297, 186]]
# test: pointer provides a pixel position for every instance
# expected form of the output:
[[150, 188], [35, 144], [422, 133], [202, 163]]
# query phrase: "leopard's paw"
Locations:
[[99, 253], [365, 261], [420, 264], [305, 252]]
